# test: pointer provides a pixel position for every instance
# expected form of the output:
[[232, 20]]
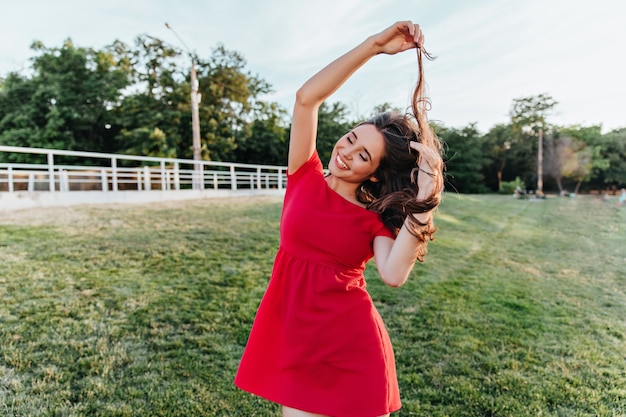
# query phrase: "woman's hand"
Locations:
[[430, 166], [399, 37]]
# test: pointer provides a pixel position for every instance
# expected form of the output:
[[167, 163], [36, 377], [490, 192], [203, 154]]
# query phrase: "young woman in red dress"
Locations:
[[318, 346]]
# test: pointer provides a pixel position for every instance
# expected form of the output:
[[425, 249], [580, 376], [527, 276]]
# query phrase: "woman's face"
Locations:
[[357, 154]]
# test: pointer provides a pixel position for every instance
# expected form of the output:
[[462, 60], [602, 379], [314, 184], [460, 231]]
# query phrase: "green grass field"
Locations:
[[519, 309]]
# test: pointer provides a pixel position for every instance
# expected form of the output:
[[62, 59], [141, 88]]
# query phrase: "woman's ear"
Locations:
[[373, 179]]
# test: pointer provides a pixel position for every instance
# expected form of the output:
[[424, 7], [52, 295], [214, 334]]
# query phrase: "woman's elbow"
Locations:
[[394, 284], [306, 98], [393, 280]]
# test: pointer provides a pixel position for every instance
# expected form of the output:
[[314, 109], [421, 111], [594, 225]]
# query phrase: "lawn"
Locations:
[[519, 309]]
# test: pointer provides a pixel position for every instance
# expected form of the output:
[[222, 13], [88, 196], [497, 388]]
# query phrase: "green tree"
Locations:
[[136, 100], [66, 102], [156, 117], [498, 143], [231, 101], [465, 159], [267, 141], [20, 116], [151, 120], [560, 155], [529, 120], [613, 149], [585, 161]]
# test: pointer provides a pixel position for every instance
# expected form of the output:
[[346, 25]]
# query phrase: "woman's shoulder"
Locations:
[[312, 165]]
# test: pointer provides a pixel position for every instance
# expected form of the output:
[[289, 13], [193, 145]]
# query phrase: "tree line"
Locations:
[[134, 99]]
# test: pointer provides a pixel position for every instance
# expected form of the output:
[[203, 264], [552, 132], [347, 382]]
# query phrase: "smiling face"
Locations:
[[357, 154]]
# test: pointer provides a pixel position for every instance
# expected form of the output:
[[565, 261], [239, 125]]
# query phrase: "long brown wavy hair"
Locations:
[[394, 195]]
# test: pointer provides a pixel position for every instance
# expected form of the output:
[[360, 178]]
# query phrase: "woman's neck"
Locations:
[[345, 189]]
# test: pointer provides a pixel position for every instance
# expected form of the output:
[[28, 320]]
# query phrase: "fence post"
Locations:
[[176, 176], [104, 180], [63, 181], [10, 178], [280, 178], [31, 182], [233, 178], [138, 179], [163, 186], [114, 173], [51, 171], [146, 178], [202, 170]]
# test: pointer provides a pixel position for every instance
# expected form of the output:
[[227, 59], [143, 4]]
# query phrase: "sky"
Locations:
[[488, 52]]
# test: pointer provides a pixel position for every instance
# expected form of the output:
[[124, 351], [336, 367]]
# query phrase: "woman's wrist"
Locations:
[[373, 45], [424, 218]]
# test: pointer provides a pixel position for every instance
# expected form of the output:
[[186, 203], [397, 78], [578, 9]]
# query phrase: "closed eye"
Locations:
[[366, 156]]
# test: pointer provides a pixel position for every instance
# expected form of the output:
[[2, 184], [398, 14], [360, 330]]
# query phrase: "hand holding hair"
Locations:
[[399, 37], [429, 164]]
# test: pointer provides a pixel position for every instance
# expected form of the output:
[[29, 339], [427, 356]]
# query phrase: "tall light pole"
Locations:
[[198, 184], [540, 162]]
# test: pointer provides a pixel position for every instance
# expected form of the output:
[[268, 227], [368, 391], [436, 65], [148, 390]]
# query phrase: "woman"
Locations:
[[318, 346]]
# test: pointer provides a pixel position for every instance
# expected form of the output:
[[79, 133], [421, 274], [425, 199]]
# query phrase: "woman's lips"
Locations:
[[340, 163]]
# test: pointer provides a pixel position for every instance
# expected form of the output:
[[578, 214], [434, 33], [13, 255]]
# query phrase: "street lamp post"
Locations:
[[540, 162], [197, 182]]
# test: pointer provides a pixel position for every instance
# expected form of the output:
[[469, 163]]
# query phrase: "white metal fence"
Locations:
[[59, 170]]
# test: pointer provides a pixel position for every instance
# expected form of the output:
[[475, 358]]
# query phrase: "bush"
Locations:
[[508, 187]]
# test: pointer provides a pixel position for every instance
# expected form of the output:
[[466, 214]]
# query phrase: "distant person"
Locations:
[[622, 198], [318, 346]]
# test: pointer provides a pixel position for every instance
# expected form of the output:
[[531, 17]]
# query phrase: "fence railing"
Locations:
[[60, 170]]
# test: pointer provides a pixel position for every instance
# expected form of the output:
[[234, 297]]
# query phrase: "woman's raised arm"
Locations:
[[399, 37]]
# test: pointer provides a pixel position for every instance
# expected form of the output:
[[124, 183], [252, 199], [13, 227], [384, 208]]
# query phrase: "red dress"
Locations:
[[318, 343]]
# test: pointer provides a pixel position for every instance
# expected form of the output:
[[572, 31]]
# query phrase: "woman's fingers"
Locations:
[[427, 155], [412, 28], [415, 32], [400, 36]]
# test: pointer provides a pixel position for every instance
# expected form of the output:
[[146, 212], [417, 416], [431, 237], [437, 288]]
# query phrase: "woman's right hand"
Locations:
[[399, 37]]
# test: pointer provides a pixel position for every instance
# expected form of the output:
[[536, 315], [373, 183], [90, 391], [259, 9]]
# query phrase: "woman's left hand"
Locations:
[[430, 165]]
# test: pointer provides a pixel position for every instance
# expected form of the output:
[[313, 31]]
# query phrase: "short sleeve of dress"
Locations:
[[383, 231], [313, 164]]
